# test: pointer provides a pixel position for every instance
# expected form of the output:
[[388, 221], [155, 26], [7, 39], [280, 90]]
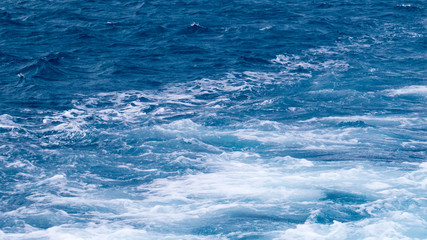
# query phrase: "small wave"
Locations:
[[293, 63], [46, 68], [407, 7], [195, 28], [6, 121], [266, 28]]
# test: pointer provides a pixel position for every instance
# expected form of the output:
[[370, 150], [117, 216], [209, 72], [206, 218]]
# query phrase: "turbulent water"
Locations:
[[198, 119]]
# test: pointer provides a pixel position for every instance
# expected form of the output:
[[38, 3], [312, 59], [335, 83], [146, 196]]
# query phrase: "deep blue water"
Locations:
[[196, 119]]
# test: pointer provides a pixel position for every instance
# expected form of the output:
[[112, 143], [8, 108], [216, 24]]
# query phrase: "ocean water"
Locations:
[[197, 119]]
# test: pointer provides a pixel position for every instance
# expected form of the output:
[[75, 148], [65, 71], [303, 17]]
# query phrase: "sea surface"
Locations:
[[212, 119]]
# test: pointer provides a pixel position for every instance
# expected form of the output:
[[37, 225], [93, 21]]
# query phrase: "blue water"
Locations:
[[196, 119]]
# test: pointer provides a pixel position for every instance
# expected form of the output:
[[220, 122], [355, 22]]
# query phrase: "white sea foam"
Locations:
[[242, 180], [6, 121], [238, 182], [100, 232], [302, 137], [20, 164], [377, 185], [409, 90], [311, 60], [398, 225], [265, 28], [404, 5], [290, 162], [372, 119]]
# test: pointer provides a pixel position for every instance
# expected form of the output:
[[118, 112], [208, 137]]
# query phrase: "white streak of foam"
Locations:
[[292, 163], [336, 230], [377, 185], [100, 232], [371, 119], [6, 121], [317, 138], [409, 90], [294, 62]]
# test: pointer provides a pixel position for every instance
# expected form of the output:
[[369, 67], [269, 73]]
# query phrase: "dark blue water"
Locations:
[[181, 119]]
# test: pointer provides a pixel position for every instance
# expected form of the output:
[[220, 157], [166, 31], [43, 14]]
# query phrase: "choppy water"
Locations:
[[196, 119]]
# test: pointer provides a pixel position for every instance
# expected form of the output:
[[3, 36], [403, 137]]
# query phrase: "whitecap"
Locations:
[[409, 90], [6, 121]]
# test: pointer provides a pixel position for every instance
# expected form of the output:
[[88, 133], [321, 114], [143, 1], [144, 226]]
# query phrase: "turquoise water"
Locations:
[[213, 119]]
